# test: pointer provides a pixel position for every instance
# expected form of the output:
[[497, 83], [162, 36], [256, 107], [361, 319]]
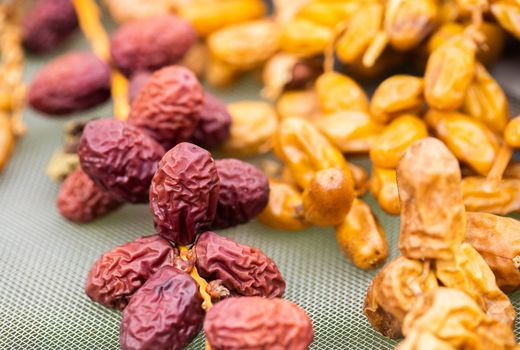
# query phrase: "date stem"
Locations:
[[203, 284], [88, 15]]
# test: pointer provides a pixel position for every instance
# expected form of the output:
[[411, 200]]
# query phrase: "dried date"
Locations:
[[119, 273], [81, 200], [169, 105], [151, 43], [243, 270], [433, 217], [70, 83], [48, 24], [119, 158], [164, 314], [214, 125], [497, 241], [257, 323], [184, 193], [244, 193], [135, 84]]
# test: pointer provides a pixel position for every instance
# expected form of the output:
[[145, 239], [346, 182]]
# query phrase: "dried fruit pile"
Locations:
[[166, 290], [442, 291], [445, 292]]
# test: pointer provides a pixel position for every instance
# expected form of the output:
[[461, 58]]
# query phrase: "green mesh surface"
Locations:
[[44, 259]]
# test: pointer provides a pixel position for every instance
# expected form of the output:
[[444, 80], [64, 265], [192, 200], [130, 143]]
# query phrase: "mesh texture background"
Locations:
[[44, 259]]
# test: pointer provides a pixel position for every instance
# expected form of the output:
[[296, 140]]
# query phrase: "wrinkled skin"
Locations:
[[119, 158], [164, 314], [184, 193], [453, 317], [255, 323], [169, 105], [500, 198], [81, 200], [214, 125], [119, 273], [243, 270], [48, 24], [244, 193], [469, 273], [152, 43], [361, 238], [497, 240], [433, 217], [135, 84], [70, 83], [394, 291]]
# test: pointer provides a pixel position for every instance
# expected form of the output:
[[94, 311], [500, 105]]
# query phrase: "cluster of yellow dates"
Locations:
[[441, 293]]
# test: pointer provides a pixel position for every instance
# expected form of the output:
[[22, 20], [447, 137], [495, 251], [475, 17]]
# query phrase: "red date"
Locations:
[[119, 273], [136, 83], [244, 193], [164, 314], [48, 24], [151, 43], [169, 105], [257, 323], [214, 124], [243, 270], [184, 193], [119, 158], [81, 200], [70, 83]]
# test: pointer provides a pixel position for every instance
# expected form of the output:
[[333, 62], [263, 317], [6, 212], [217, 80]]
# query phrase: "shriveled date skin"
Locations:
[[433, 217], [48, 24], [184, 193], [168, 106], [394, 291], [361, 237], [119, 158], [469, 273], [453, 317], [254, 323], [70, 83], [136, 83], [497, 240], [81, 200], [500, 198], [244, 192], [164, 314], [214, 124], [243, 270], [119, 273], [151, 43]]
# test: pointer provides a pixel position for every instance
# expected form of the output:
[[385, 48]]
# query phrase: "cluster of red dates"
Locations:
[[151, 280]]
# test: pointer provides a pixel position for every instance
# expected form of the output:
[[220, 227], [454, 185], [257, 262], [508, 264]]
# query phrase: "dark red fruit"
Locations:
[[214, 124], [119, 158], [151, 43], [164, 314], [119, 273], [48, 24], [81, 200], [70, 83], [244, 192], [184, 193], [168, 106]]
